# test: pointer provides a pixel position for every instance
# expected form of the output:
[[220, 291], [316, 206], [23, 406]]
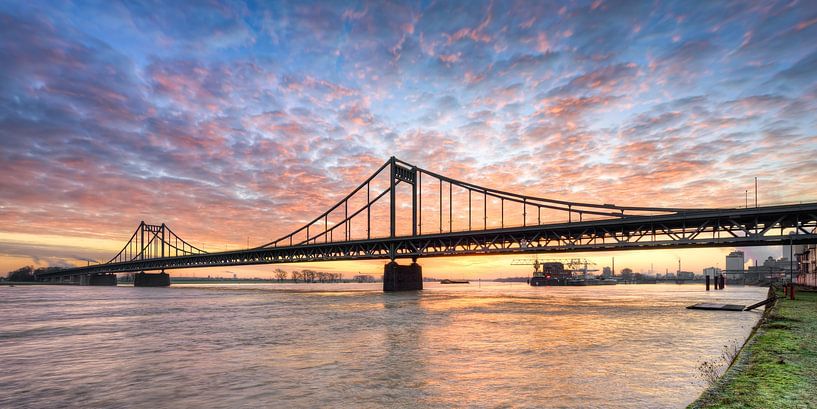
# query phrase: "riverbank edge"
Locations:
[[14, 283], [711, 393], [726, 392]]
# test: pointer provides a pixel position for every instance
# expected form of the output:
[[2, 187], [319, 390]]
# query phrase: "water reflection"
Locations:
[[351, 345]]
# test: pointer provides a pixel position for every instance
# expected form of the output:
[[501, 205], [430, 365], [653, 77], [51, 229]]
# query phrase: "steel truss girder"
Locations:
[[795, 224]]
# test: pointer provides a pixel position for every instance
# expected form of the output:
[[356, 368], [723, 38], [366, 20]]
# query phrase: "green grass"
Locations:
[[777, 368]]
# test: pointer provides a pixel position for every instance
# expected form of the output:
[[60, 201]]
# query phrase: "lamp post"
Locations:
[[791, 265], [755, 192]]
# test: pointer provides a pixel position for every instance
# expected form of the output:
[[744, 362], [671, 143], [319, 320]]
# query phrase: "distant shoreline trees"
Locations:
[[29, 273], [310, 276], [626, 274]]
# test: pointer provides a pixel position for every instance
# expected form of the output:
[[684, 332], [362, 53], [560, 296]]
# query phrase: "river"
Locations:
[[350, 345]]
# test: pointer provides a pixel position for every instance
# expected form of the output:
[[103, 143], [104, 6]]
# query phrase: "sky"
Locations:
[[235, 123]]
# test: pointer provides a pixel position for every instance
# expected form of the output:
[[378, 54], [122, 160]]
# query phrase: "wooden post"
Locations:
[[707, 283]]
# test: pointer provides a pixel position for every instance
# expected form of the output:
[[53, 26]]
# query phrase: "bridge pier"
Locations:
[[102, 279], [95, 279], [143, 279], [402, 278]]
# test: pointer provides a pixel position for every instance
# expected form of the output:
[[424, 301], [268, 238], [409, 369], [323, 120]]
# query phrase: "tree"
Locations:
[[627, 274], [296, 275], [309, 275], [280, 274], [22, 274]]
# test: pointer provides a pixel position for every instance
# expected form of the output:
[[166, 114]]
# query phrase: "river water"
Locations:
[[350, 345]]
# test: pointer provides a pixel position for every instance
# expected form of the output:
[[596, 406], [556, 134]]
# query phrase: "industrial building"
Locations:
[[712, 272], [806, 258], [734, 266]]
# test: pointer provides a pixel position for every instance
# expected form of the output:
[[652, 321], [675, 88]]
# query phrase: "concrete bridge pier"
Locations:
[[95, 279], [402, 278], [102, 279], [143, 279]]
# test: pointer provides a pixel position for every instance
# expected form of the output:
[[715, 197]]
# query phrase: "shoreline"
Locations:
[[775, 367]]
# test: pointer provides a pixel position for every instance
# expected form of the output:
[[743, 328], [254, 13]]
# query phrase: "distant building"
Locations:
[[806, 257], [771, 270], [734, 266], [686, 275], [712, 272], [783, 264]]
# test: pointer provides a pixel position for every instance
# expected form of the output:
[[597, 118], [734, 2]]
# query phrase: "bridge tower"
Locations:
[[153, 242], [395, 276]]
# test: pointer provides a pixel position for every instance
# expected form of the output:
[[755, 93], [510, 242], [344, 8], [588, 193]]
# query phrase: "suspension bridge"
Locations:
[[405, 212]]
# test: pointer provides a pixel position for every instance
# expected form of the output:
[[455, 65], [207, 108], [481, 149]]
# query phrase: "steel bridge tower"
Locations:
[[395, 276]]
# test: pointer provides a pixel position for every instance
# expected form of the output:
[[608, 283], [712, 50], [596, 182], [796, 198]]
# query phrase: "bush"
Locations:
[[711, 371]]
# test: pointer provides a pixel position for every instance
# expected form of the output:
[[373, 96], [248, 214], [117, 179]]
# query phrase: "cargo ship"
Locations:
[[447, 281], [552, 274], [555, 274]]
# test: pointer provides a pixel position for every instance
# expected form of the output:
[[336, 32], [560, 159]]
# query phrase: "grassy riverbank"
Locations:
[[777, 368]]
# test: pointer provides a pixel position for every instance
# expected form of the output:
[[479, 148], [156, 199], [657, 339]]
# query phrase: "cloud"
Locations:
[[255, 118], [802, 72], [605, 80]]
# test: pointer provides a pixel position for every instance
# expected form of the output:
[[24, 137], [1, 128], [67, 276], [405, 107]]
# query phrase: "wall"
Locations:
[[807, 261]]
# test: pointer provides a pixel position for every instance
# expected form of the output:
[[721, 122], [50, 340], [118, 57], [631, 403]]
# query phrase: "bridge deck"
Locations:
[[762, 226]]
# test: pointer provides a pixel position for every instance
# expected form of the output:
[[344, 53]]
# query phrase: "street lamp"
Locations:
[[791, 257], [791, 265], [755, 192]]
